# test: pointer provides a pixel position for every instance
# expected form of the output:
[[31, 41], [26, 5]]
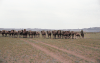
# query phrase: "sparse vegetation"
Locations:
[[14, 50]]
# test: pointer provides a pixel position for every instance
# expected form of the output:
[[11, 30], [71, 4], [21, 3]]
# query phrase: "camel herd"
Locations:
[[55, 33]]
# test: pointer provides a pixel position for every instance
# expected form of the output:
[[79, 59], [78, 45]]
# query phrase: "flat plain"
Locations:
[[46, 50]]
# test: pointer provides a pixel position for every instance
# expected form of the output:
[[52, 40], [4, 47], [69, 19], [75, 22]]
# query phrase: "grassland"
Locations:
[[16, 50]]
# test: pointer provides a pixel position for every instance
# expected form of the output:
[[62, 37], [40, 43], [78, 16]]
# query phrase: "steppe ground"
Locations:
[[46, 50]]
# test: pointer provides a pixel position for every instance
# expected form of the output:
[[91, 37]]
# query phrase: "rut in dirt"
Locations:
[[58, 58], [64, 50]]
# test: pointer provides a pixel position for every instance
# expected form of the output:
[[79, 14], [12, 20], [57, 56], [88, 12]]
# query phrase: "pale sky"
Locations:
[[49, 14]]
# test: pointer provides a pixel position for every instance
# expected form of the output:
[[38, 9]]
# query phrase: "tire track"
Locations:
[[64, 50], [61, 59]]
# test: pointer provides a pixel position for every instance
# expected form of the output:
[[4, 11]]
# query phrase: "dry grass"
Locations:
[[13, 50], [88, 47], [67, 56]]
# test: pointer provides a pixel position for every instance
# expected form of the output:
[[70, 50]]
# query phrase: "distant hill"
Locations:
[[92, 29], [32, 29]]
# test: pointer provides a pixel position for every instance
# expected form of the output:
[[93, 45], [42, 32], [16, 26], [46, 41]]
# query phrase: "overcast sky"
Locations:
[[49, 14]]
